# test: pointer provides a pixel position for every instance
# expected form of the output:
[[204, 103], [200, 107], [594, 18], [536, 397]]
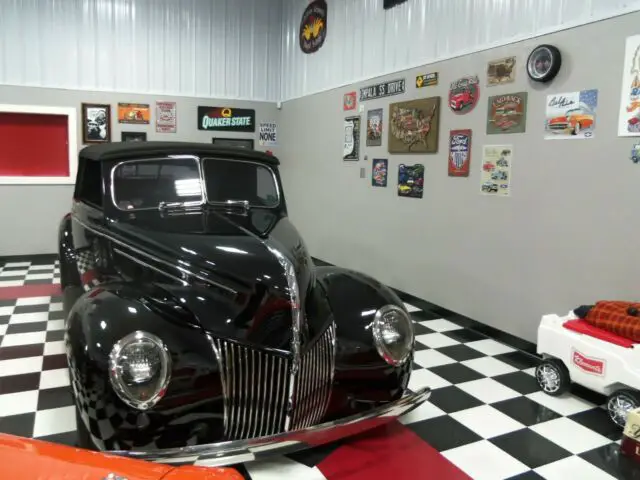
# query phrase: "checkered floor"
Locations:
[[486, 414]]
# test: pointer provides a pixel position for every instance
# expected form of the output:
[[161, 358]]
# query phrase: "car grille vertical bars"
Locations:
[[256, 387]]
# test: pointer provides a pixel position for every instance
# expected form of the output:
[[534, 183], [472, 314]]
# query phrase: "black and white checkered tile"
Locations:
[[18, 274], [486, 414]]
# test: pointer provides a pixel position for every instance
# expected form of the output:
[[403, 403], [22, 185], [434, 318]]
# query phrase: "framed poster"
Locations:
[[495, 178], [379, 172], [227, 119], [459, 153], [374, 127], [571, 116], [133, 136], [247, 143], [166, 117], [507, 113], [351, 150], [96, 123], [410, 180], [413, 126], [501, 71], [136, 113]]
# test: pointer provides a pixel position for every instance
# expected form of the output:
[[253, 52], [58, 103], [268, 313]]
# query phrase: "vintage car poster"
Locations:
[[427, 80], [267, 134], [464, 94], [410, 180], [384, 89], [313, 26], [349, 101], [629, 116], [571, 115], [139, 113], [166, 117], [351, 149], [496, 170], [507, 113], [374, 127], [501, 71], [413, 126], [459, 153], [379, 172]]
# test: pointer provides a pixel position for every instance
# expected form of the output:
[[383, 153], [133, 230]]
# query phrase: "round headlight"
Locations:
[[140, 369], [393, 334]]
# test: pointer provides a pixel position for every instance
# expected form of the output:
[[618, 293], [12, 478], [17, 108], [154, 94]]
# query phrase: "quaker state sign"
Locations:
[[227, 119], [464, 94], [507, 113]]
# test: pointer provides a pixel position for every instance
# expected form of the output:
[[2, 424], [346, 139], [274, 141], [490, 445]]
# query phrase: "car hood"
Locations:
[[234, 250]]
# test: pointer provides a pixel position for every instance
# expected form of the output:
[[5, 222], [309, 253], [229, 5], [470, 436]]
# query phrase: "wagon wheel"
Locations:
[[553, 377]]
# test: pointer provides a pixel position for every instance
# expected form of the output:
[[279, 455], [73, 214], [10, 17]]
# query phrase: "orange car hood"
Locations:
[[27, 459]]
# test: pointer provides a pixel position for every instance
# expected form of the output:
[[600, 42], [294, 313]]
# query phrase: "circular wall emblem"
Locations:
[[544, 63], [464, 94], [313, 26]]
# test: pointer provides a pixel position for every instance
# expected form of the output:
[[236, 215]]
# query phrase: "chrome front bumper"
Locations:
[[240, 451]]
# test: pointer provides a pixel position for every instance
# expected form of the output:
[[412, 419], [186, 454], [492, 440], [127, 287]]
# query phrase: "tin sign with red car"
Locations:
[[464, 94]]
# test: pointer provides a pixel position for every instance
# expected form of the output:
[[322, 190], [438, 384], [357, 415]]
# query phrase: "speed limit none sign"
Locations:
[[268, 135]]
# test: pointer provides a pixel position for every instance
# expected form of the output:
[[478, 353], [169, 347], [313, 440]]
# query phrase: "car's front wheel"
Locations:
[[620, 403], [553, 377]]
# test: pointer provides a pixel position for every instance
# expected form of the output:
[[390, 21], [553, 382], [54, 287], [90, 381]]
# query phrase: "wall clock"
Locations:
[[544, 63]]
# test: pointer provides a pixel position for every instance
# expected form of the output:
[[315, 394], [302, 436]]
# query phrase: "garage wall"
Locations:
[[566, 236], [364, 40], [29, 214], [211, 48]]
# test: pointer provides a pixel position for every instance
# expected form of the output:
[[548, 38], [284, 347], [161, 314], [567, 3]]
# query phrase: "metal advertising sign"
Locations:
[[464, 94], [507, 113], [427, 80], [313, 26], [227, 119], [351, 150], [459, 153], [385, 89]]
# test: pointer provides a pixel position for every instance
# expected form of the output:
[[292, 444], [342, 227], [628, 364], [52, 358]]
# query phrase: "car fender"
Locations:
[[69, 275], [103, 316], [361, 373]]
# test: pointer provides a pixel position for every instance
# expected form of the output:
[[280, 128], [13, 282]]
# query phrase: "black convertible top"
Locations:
[[132, 150]]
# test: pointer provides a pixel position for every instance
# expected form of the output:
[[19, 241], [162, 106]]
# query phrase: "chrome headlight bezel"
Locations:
[[376, 328], [115, 374]]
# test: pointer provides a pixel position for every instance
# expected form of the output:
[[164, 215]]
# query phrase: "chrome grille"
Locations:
[[313, 382], [256, 387]]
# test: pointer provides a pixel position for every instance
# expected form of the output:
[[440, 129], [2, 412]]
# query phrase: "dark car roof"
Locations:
[[132, 150]]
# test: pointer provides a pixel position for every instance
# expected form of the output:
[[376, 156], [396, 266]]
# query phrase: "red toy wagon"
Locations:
[[598, 347]]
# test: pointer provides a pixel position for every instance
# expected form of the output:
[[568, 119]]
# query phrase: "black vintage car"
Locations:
[[197, 326]]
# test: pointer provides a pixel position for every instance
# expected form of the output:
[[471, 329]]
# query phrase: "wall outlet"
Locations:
[[361, 108], [362, 172]]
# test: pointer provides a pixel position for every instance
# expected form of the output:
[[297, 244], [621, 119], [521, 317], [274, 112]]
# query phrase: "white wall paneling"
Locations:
[[364, 40], [203, 48]]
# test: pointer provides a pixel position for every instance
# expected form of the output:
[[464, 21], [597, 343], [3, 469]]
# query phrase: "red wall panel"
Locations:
[[34, 145]]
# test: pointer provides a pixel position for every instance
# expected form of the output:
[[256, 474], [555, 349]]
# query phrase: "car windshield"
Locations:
[[150, 184], [145, 184], [240, 181]]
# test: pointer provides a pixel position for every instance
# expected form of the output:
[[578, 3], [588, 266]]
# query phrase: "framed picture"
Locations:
[[233, 142], [133, 136], [96, 123], [139, 113]]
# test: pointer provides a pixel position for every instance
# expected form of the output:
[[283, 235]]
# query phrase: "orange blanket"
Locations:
[[621, 318]]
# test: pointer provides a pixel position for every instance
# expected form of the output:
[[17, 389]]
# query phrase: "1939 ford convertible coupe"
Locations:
[[197, 326]]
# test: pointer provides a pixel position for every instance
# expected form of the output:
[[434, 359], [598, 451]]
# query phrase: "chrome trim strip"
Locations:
[[218, 351], [172, 157], [227, 453], [296, 324], [153, 257], [151, 267]]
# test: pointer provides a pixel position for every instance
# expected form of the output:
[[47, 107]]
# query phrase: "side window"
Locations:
[[266, 186], [89, 187]]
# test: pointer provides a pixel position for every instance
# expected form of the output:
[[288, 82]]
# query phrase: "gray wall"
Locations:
[[30, 214], [568, 235]]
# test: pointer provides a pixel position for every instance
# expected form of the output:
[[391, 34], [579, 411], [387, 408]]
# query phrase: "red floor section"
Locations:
[[11, 293], [393, 454]]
